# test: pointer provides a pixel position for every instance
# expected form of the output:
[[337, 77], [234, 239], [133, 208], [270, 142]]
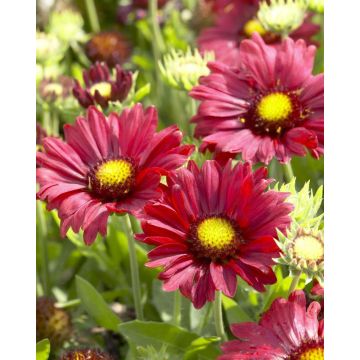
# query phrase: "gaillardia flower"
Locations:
[[86, 354], [51, 90], [106, 165], [109, 46], [270, 106], [287, 331], [100, 88], [237, 20], [212, 224], [183, 70]]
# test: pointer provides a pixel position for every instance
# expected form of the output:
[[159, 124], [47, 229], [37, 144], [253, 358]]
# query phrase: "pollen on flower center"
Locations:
[[104, 88], [253, 26], [312, 354], [309, 247], [112, 178], [275, 107], [55, 88], [216, 233]]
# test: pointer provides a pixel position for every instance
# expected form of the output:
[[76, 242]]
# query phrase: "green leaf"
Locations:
[[234, 312], [142, 92], [95, 305], [203, 349], [178, 341], [43, 349]]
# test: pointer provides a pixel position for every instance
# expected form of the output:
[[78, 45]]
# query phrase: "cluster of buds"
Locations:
[[282, 16], [182, 70], [302, 245]]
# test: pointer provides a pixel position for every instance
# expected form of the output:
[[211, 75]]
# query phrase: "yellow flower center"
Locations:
[[253, 26], [215, 233], [104, 88], [309, 247], [79, 356], [114, 172], [55, 88], [313, 354], [275, 107]]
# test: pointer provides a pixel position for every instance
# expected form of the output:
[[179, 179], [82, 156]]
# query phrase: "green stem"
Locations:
[[158, 45], [93, 17], [288, 171], [204, 320], [135, 279], [47, 121], [55, 122], [43, 247], [219, 324], [294, 282], [177, 308]]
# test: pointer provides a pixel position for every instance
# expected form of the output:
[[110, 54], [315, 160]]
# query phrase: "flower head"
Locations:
[[110, 47], [183, 70], [100, 88], [51, 322], [302, 245], [49, 49], [237, 20], [212, 224], [67, 25], [288, 330], [59, 88], [86, 354], [269, 106], [282, 16], [106, 165]]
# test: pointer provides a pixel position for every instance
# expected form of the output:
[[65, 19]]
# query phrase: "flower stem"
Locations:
[[135, 279], [219, 324], [177, 308], [288, 171], [295, 282], [43, 247], [93, 17], [55, 122]]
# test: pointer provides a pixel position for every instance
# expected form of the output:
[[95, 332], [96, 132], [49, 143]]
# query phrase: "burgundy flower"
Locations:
[[53, 89], [212, 224], [106, 165], [86, 354], [110, 47], [287, 331], [235, 21], [270, 106], [101, 88]]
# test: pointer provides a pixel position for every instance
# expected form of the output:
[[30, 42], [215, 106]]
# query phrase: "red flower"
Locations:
[[212, 224], [286, 331], [270, 106], [235, 21], [106, 165], [100, 88]]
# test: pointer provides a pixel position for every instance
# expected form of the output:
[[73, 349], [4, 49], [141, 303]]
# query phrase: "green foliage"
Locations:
[[95, 305], [43, 350]]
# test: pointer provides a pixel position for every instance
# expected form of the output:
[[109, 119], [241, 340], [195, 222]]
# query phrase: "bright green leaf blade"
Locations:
[[95, 305], [43, 350], [177, 340], [203, 349], [234, 312]]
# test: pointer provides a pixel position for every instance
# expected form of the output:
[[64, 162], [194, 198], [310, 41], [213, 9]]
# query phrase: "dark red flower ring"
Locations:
[[212, 224], [107, 165], [287, 331]]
